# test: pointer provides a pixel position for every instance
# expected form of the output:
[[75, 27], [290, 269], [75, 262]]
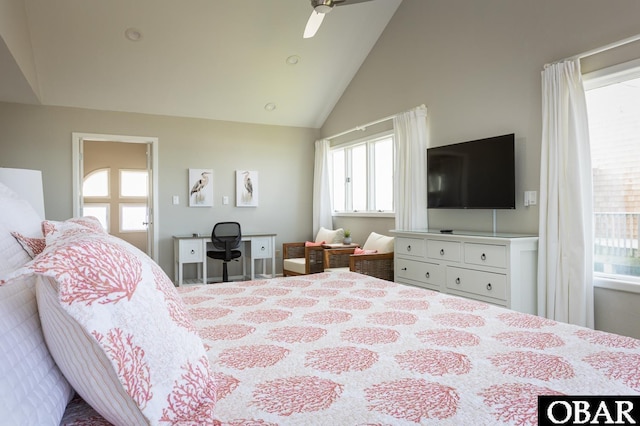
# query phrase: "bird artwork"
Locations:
[[248, 187], [198, 188]]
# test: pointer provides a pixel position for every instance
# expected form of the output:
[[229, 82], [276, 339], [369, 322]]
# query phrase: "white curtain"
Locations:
[[410, 183], [565, 254], [321, 188]]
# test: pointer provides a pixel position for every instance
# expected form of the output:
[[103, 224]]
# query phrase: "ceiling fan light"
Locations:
[[322, 6]]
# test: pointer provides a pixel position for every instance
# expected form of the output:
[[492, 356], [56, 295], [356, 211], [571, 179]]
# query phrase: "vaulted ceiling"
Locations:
[[215, 59]]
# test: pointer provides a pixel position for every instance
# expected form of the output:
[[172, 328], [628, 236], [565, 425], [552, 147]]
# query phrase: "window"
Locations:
[[362, 175], [133, 217], [134, 183], [98, 210], [133, 188], [96, 184], [613, 104]]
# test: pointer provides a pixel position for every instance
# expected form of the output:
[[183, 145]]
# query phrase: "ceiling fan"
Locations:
[[321, 8]]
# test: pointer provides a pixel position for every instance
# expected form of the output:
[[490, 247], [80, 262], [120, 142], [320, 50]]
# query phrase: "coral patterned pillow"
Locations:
[[118, 330], [358, 250], [32, 245], [35, 245], [88, 224], [313, 244]]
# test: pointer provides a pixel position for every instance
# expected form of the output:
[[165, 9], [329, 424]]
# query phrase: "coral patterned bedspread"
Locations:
[[346, 349]]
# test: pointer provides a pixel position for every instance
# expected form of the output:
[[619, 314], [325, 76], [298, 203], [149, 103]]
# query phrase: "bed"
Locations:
[[334, 348]]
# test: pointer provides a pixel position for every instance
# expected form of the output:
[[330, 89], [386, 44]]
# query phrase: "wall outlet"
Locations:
[[175, 200]]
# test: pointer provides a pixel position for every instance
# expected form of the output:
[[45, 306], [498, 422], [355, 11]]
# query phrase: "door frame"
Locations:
[[76, 154]]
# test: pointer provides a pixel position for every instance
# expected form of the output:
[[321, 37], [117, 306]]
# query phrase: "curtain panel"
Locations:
[[565, 253], [322, 216], [410, 184]]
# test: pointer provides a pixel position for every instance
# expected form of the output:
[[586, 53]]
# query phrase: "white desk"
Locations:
[[193, 249]]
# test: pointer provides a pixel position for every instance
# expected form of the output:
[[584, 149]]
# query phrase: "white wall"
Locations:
[[17, 65], [476, 66], [39, 137], [617, 311]]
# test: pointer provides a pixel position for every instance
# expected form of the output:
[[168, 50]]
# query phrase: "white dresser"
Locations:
[[496, 268]]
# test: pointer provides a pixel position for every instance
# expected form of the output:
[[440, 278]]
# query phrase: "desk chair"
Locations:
[[225, 237]]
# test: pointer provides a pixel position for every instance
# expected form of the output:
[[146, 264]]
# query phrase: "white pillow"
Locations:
[[330, 236], [6, 192], [118, 329], [381, 243], [12, 255], [16, 215], [33, 391]]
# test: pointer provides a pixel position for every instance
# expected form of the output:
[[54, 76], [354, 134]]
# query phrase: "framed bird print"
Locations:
[[246, 188], [200, 187]]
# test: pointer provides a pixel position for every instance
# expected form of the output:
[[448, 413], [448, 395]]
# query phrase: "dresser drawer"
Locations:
[[414, 247], [487, 284], [191, 251], [444, 250], [429, 273], [261, 248], [486, 255]]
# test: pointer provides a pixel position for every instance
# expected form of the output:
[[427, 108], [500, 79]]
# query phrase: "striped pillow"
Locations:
[[118, 330]]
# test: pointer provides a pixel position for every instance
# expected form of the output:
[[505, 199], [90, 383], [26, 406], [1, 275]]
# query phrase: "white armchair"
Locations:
[[374, 259], [303, 258]]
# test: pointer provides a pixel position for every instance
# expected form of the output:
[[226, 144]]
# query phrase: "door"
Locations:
[[115, 180]]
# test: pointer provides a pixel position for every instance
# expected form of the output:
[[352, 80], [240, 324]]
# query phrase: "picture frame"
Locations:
[[247, 188], [200, 188]]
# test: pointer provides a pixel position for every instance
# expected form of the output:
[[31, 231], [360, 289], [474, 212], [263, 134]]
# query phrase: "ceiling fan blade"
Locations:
[[313, 24]]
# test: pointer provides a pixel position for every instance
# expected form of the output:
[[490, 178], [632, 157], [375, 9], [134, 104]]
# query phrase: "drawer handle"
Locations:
[[263, 248], [441, 252], [408, 248], [193, 251], [483, 257], [404, 269], [489, 286], [426, 275], [457, 280]]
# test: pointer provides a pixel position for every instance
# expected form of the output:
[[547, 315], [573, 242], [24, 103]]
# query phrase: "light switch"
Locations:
[[225, 200], [530, 198], [175, 200]]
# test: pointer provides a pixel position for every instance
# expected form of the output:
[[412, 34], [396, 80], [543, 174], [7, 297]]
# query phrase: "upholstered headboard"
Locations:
[[27, 184]]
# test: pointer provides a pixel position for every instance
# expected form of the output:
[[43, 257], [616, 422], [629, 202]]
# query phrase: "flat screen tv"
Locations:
[[478, 174]]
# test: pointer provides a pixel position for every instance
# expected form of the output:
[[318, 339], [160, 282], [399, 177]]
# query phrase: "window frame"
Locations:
[[611, 75], [369, 142]]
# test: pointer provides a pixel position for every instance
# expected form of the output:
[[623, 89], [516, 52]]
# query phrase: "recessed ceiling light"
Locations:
[[293, 59], [132, 34], [270, 106]]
